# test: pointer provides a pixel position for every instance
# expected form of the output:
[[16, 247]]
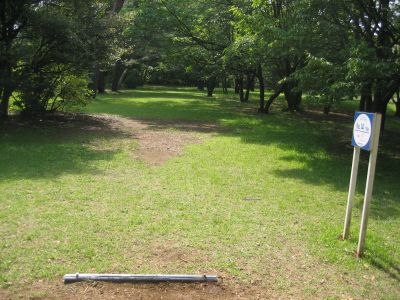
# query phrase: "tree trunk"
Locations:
[[6, 90], [95, 80], [397, 103], [4, 102], [118, 70], [250, 83], [240, 87], [122, 77], [210, 90], [237, 89], [211, 83], [294, 100], [381, 107], [327, 109], [98, 78], [101, 81], [247, 95], [380, 103], [224, 85], [292, 97], [366, 97], [273, 97], [118, 4], [384, 92], [260, 77]]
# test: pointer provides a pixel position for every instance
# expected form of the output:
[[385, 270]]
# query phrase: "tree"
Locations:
[[47, 47], [146, 39], [278, 28], [100, 68], [372, 64], [242, 59], [14, 17], [324, 74], [204, 28]]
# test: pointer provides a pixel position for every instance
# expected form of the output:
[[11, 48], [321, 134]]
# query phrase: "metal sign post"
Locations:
[[367, 127]]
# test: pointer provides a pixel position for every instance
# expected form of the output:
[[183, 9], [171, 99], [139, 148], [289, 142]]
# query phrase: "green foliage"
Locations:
[[367, 53], [329, 50], [72, 92], [321, 80], [38, 95], [243, 55], [57, 45], [364, 65], [134, 79]]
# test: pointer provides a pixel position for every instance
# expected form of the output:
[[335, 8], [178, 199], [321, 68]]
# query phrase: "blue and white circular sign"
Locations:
[[362, 130]]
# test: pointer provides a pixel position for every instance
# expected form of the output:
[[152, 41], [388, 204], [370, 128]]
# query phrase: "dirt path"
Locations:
[[158, 140]]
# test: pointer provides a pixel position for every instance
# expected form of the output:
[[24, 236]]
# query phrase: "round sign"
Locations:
[[362, 130]]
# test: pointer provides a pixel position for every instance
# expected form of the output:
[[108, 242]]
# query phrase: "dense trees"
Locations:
[[327, 50], [13, 18], [47, 50], [369, 48]]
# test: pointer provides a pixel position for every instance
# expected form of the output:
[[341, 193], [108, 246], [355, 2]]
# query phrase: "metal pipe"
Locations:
[[70, 278]]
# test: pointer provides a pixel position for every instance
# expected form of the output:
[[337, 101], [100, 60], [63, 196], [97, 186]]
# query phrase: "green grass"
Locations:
[[74, 200], [352, 105]]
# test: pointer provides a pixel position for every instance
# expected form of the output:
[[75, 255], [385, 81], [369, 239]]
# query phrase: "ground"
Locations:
[[57, 290], [167, 181]]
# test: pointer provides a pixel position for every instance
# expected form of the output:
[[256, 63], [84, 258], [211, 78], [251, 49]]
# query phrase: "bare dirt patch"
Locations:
[[159, 140], [166, 254], [103, 290]]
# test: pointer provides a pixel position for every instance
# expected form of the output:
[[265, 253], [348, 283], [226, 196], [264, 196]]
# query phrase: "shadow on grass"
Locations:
[[323, 149], [387, 266], [321, 143], [196, 110], [52, 148]]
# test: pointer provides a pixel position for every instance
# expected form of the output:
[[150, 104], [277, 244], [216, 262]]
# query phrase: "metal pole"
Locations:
[[370, 184], [70, 278], [352, 189]]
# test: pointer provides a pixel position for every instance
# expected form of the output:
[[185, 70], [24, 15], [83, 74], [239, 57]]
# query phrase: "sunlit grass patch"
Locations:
[[261, 199]]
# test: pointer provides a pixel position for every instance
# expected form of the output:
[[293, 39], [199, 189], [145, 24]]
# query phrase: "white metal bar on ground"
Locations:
[[70, 278]]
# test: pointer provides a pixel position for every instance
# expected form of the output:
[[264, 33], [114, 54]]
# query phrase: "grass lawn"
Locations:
[[260, 201]]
